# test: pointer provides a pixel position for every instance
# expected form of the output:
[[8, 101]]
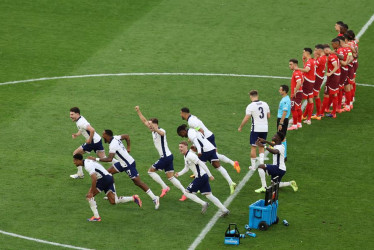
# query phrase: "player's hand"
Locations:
[[211, 178], [137, 108], [74, 136], [88, 141], [328, 74], [280, 127], [176, 175], [193, 148], [240, 129], [89, 195], [128, 149], [199, 155], [91, 158]]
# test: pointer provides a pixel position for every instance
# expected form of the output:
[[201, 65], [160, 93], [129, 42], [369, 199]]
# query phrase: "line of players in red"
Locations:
[[306, 82]]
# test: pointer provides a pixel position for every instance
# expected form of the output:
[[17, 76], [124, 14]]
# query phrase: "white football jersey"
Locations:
[[161, 143], [82, 125], [116, 146], [258, 110], [196, 123], [191, 161], [278, 159], [92, 167], [199, 140]]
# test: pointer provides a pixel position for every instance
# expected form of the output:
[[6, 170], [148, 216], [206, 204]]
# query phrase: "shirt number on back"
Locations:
[[262, 115]]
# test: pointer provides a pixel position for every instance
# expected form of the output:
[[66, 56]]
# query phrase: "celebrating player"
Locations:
[[101, 180], [201, 181]]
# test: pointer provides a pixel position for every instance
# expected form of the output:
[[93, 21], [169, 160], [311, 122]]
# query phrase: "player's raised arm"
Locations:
[[142, 117]]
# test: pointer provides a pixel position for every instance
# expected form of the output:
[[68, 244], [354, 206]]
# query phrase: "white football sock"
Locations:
[[216, 202], [124, 199], [157, 179], [225, 175], [261, 173], [177, 183], [225, 159], [114, 161], [150, 193], [253, 163], [285, 184], [262, 157], [80, 171], [194, 198], [93, 206]]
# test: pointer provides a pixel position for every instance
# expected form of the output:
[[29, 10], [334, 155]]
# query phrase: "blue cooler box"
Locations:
[[261, 216]]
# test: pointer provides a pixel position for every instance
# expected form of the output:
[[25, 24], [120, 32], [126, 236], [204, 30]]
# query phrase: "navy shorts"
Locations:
[[201, 183], [130, 170], [212, 140], [93, 146], [255, 136], [164, 163], [209, 156], [105, 184], [274, 171]]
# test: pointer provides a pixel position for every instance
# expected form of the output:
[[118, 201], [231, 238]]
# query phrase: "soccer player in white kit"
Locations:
[[93, 140], [201, 181], [198, 125], [206, 151], [259, 111], [101, 180], [278, 168], [125, 161], [166, 157]]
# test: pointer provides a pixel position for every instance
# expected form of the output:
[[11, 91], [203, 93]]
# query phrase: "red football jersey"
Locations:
[[343, 51], [310, 76], [296, 75], [349, 52], [330, 60], [320, 66]]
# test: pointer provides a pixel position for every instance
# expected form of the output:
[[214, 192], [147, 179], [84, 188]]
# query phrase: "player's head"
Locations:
[[347, 37], [278, 138], [307, 52], [326, 49], [343, 28], [185, 113], [152, 123], [292, 63], [335, 43], [107, 135], [182, 130], [351, 34], [78, 160], [318, 50], [338, 24], [253, 94], [283, 90], [75, 113], [183, 147], [341, 40]]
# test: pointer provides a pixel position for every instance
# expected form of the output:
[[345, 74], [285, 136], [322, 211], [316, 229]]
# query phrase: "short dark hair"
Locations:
[[344, 25], [185, 110], [108, 132], [285, 88], [341, 38], [340, 23], [326, 46], [319, 46], [253, 93], [75, 110], [184, 143], [154, 120], [281, 135], [181, 128], [335, 40], [78, 156], [351, 34], [294, 60], [308, 50]]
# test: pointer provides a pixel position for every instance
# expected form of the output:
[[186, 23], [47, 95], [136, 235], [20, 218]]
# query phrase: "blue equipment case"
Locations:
[[232, 236]]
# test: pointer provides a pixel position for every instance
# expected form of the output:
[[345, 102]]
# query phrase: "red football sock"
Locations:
[[305, 114], [326, 101], [311, 107], [334, 104], [348, 98], [340, 98], [294, 116], [300, 113], [318, 105]]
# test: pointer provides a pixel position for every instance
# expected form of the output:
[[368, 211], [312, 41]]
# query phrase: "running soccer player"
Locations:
[[201, 181], [320, 62], [198, 125], [309, 79], [259, 111], [166, 157], [296, 94], [93, 140], [332, 83], [101, 180], [125, 161], [284, 111], [206, 151], [278, 169]]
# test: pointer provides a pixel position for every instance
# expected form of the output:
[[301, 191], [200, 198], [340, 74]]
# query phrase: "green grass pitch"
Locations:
[[331, 160]]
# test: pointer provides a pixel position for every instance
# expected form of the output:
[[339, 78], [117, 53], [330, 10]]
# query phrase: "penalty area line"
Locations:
[[42, 241]]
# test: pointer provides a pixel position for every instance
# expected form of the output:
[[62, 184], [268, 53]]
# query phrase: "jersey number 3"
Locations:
[[262, 115]]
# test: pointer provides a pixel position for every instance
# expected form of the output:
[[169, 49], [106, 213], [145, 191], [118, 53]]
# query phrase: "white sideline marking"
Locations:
[[365, 27], [154, 74], [42, 241]]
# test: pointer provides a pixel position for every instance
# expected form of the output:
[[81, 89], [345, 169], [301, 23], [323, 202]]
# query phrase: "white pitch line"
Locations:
[[42, 241], [365, 27], [154, 74]]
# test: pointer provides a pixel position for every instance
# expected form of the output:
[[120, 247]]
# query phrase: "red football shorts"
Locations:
[[317, 85], [307, 89], [332, 85]]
